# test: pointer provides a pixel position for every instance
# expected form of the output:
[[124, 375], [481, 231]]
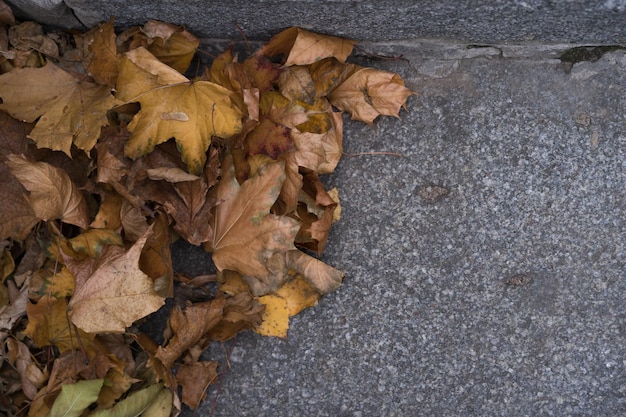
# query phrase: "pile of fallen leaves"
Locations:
[[109, 154]]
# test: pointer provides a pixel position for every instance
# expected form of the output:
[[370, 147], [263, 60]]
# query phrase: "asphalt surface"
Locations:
[[485, 267]]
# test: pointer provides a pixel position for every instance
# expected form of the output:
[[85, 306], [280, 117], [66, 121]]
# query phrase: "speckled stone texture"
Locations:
[[479, 21], [503, 297]]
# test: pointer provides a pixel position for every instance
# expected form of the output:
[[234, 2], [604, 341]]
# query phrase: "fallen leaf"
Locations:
[[48, 325], [16, 215], [52, 193], [173, 45], [101, 60], [369, 93], [116, 295], [207, 109], [32, 378], [133, 405], [246, 235], [240, 312], [290, 299], [72, 111], [75, 398], [93, 241], [302, 47], [189, 327], [324, 278], [194, 378], [161, 405]]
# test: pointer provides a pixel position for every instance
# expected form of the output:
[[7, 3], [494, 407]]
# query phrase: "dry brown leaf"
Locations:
[[302, 47], [194, 378], [173, 106], [32, 378], [240, 312], [245, 234], [52, 193], [116, 295], [101, 61], [189, 327], [72, 111], [369, 93], [324, 278]]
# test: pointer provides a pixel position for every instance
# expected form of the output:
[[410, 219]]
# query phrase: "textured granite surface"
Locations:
[[482, 21], [503, 297]]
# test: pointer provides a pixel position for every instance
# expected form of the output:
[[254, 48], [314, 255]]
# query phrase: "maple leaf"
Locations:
[[369, 93], [101, 60], [246, 235], [116, 295], [302, 47], [173, 106], [72, 111], [48, 325], [52, 193]]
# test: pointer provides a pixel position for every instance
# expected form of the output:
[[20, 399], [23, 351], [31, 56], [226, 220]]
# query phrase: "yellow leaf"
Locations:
[[72, 111], [173, 106], [290, 299], [172, 44], [52, 193], [302, 47], [116, 295], [93, 241], [48, 325], [275, 317]]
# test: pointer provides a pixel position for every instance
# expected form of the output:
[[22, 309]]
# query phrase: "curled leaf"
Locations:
[[52, 193], [302, 47]]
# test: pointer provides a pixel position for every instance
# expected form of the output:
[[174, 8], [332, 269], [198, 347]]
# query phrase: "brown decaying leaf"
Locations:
[[194, 378], [246, 235], [52, 193], [230, 160], [369, 93], [302, 47], [72, 111], [101, 61], [116, 295]]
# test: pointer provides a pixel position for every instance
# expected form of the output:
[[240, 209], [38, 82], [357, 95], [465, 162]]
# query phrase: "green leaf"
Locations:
[[134, 405], [161, 406], [75, 398]]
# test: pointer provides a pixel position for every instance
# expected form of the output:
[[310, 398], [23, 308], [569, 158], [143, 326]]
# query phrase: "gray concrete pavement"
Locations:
[[503, 297]]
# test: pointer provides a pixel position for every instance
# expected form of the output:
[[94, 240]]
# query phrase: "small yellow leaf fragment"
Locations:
[[275, 317]]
